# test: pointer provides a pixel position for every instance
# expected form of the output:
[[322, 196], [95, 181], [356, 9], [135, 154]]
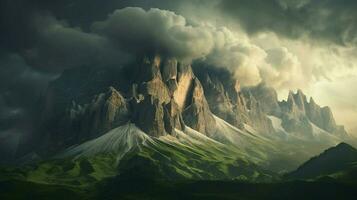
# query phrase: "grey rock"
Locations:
[[267, 97], [197, 114], [297, 111], [106, 111], [149, 116]]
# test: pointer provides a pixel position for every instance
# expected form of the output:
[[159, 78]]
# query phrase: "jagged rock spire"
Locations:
[[299, 108], [300, 100], [173, 97]]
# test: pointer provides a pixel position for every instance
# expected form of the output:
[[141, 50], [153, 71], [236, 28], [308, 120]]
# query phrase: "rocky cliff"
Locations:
[[298, 111], [160, 95], [171, 96], [254, 105], [229, 102]]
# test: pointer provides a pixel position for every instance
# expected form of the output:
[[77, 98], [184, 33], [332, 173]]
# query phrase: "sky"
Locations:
[[287, 44]]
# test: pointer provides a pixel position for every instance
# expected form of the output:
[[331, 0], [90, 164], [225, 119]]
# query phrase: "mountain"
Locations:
[[123, 131], [165, 119], [300, 114], [160, 95], [127, 151], [339, 159], [260, 108]]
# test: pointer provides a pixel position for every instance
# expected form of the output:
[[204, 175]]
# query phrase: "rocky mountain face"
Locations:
[[160, 95], [81, 104], [253, 105], [167, 96], [297, 113], [229, 102], [106, 111]]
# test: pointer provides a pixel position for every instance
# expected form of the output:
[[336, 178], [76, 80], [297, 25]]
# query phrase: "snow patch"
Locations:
[[227, 133], [277, 123], [189, 136], [120, 140]]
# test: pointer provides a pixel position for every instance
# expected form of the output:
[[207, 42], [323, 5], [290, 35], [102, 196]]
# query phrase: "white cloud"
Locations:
[[282, 69], [242, 59]]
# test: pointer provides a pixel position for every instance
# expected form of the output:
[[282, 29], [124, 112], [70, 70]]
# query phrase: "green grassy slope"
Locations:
[[159, 161], [334, 161]]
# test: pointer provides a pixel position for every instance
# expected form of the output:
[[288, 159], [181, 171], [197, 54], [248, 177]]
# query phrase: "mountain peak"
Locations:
[[312, 101], [300, 92], [291, 94], [291, 100], [344, 146], [297, 106], [300, 100], [341, 148]]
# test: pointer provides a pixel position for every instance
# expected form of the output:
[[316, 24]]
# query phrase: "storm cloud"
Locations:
[[159, 31], [287, 44], [166, 33], [324, 21], [60, 46], [20, 89]]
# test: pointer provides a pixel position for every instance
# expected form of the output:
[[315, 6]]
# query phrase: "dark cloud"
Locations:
[[157, 31], [16, 16], [55, 35], [139, 31], [51, 34], [323, 20], [60, 46], [21, 32], [15, 30], [40, 38], [20, 89]]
